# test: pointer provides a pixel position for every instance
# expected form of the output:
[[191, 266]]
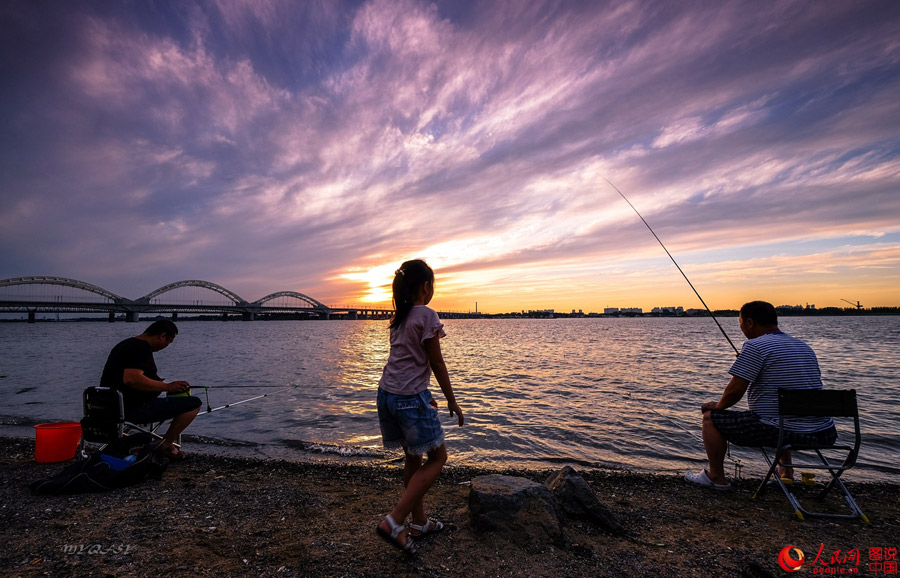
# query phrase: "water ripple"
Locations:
[[621, 393]]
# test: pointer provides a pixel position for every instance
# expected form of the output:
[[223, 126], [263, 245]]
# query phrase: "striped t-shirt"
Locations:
[[777, 360]]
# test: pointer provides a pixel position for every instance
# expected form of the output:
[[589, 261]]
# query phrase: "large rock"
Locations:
[[516, 507], [578, 501]]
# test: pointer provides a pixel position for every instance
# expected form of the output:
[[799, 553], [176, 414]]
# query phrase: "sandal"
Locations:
[[174, 454], [391, 537], [431, 526], [701, 478]]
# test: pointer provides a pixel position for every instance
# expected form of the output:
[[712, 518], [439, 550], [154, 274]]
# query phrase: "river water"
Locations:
[[607, 393]]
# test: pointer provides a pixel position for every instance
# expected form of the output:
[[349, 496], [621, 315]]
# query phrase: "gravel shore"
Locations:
[[220, 516]]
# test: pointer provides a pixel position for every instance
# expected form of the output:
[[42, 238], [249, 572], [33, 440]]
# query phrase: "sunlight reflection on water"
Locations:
[[596, 392]]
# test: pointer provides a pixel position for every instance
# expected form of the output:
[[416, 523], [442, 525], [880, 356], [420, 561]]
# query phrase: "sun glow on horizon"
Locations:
[[375, 282]]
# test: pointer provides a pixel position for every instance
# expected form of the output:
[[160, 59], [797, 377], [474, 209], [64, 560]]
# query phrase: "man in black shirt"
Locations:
[[130, 369]]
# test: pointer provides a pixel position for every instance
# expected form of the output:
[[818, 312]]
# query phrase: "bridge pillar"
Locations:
[[224, 316], [112, 317], [132, 317], [174, 316], [248, 316], [353, 315], [31, 317]]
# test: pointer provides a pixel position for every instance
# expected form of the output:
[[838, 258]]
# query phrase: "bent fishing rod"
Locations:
[[736, 462], [658, 240]]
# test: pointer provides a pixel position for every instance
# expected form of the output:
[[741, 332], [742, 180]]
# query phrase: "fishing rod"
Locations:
[[227, 405], [295, 386], [210, 409], [676, 265], [737, 462]]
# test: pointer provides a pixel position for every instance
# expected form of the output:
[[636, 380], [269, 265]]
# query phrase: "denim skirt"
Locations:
[[409, 422]]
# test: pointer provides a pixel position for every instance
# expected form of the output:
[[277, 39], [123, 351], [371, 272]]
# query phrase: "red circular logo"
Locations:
[[787, 563]]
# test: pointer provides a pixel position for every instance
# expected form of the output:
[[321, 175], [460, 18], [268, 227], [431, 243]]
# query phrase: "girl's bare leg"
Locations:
[[413, 463], [418, 479]]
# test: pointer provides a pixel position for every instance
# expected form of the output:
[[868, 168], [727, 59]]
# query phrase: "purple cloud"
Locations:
[[277, 145]]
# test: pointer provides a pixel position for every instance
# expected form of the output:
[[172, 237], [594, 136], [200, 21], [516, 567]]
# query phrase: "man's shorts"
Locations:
[[409, 421], [743, 428], [163, 408]]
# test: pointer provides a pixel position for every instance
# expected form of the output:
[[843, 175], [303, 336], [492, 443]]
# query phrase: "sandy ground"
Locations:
[[217, 516]]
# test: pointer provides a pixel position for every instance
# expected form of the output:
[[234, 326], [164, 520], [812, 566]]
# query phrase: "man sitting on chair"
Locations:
[[130, 369], [769, 360]]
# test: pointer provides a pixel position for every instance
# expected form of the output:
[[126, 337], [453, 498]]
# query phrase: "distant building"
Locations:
[[610, 310], [668, 310], [631, 310], [540, 313]]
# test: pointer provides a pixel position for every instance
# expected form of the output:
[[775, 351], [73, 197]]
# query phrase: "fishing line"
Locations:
[[671, 420], [736, 462], [676, 264]]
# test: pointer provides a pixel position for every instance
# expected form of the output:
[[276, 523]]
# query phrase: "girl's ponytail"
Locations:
[[407, 280]]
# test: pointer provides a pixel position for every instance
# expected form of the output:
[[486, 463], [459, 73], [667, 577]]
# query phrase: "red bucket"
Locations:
[[56, 442]]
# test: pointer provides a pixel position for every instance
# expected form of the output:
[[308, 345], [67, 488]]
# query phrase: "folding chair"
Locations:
[[818, 403], [104, 422]]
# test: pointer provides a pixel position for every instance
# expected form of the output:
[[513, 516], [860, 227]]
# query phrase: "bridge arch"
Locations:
[[305, 298], [63, 282], [235, 298]]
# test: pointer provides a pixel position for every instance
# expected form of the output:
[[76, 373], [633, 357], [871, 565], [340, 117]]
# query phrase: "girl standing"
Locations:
[[407, 412]]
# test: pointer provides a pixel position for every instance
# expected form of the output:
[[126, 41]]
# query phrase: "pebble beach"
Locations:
[[222, 516]]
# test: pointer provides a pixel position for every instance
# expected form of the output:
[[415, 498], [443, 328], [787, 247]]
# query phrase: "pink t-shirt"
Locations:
[[408, 371]]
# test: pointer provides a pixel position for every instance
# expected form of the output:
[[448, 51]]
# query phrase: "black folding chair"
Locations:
[[818, 403], [104, 422]]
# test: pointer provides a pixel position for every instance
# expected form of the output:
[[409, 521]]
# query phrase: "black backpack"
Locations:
[[95, 475]]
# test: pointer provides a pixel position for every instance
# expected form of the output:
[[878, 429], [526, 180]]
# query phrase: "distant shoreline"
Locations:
[[690, 314]]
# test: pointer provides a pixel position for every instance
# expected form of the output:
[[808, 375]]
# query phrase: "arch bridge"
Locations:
[[43, 294]]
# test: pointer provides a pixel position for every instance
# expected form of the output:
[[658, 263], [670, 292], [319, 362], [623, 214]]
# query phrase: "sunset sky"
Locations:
[[313, 146]]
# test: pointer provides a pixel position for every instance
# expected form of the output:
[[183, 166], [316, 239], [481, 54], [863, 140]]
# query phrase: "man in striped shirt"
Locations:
[[769, 359]]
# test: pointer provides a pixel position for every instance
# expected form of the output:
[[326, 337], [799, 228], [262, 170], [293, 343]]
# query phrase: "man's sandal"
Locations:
[[431, 526], [391, 537], [173, 453]]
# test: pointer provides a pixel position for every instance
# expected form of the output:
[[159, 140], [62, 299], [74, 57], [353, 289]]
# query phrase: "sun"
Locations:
[[375, 280]]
